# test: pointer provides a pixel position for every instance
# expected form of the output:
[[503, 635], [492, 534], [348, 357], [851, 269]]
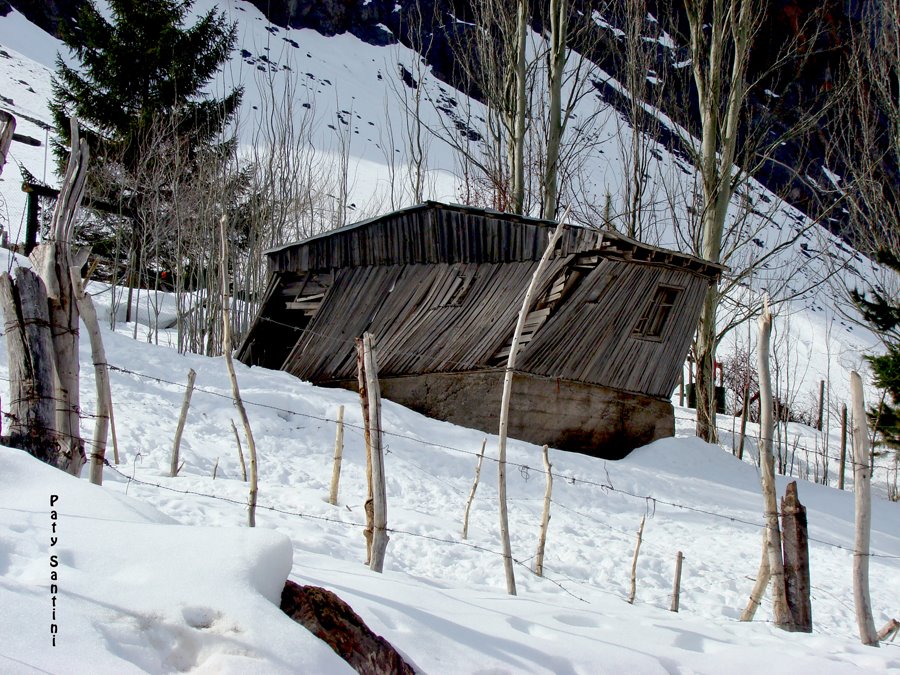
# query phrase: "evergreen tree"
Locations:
[[141, 94], [142, 66], [882, 312]]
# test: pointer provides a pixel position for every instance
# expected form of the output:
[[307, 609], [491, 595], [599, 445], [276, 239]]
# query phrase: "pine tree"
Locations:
[[143, 65], [141, 93], [882, 312]]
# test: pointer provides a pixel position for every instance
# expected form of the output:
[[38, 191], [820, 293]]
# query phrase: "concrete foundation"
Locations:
[[590, 419]]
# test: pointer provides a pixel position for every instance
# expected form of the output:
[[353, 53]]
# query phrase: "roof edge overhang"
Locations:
[[612, 242]]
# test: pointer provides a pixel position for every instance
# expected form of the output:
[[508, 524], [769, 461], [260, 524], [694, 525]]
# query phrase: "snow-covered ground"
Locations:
[[159, 574]]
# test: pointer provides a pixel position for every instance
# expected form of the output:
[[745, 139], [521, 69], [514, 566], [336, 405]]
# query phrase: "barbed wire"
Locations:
[[572, 480], [335, 521], [607, 487]]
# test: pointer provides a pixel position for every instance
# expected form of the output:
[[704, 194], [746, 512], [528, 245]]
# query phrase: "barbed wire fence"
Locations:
[[559, 579]]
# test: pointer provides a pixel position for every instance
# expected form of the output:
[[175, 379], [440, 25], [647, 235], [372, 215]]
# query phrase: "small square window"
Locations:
[[655, 317]]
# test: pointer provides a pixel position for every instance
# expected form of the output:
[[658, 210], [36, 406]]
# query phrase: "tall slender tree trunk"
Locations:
[[557, 58], [720, 37], [517, 142]]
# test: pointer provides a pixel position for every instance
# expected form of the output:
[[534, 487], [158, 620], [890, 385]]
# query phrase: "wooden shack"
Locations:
[[440, 287]]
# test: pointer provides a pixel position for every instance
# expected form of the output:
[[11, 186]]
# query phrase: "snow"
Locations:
[[160, 574]]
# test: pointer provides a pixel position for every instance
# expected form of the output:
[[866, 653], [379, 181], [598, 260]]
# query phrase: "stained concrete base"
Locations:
[[585, 418]]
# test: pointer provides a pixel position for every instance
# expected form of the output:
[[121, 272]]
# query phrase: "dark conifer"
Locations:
[[883, 314], [142, 65]]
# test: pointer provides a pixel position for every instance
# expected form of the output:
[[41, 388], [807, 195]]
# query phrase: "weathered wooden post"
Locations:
[[465, 529], [634, 560], [795, 541], [30, 355], [545, 517], [771, 567], [367, 434], [843, 446], [379, 502], [182, 418], [504, 403], [338, 457], [229, 363], [7, 129], [862, 477], [676, 589], [237, 440]]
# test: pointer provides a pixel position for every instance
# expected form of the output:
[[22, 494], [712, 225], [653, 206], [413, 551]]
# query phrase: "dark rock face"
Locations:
[[46, 14], [331, 619]]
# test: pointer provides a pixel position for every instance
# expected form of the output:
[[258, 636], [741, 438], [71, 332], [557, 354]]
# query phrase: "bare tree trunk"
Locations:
[[379, 503], [557, 58], [720, 37], [780, 611], [504, 404], [862, 478], [465, 530], [235, 390], [545, 517], [843, 446], [517, 142], [182, 418]]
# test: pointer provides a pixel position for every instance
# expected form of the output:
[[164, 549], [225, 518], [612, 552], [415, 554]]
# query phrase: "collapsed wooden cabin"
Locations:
[[440, 287]]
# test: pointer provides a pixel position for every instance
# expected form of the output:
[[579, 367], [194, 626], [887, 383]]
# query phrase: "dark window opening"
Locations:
[[655, 317]]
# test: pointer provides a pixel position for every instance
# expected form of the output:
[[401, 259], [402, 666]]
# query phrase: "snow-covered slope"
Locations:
[[188, 588], [441, 599], [348, 96]]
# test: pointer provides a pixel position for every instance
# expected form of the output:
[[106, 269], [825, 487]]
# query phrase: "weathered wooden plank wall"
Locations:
[[441, 287]]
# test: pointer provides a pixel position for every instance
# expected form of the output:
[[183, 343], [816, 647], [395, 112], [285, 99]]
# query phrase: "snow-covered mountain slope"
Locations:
[[441, 599], [158, 574], [350, 99]]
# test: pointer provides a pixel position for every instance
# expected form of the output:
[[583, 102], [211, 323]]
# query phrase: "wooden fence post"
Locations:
[[235, 389], [676, 589], [367, 435], [465, 530], [7, 130], [182, 418], [843, 445], [795, 541], [772, 533], [30, 356], [504, 404], [637, 549], [890, 630], [862, 476], [545, 517], [379, 502], [338, 456], [237, 440]]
